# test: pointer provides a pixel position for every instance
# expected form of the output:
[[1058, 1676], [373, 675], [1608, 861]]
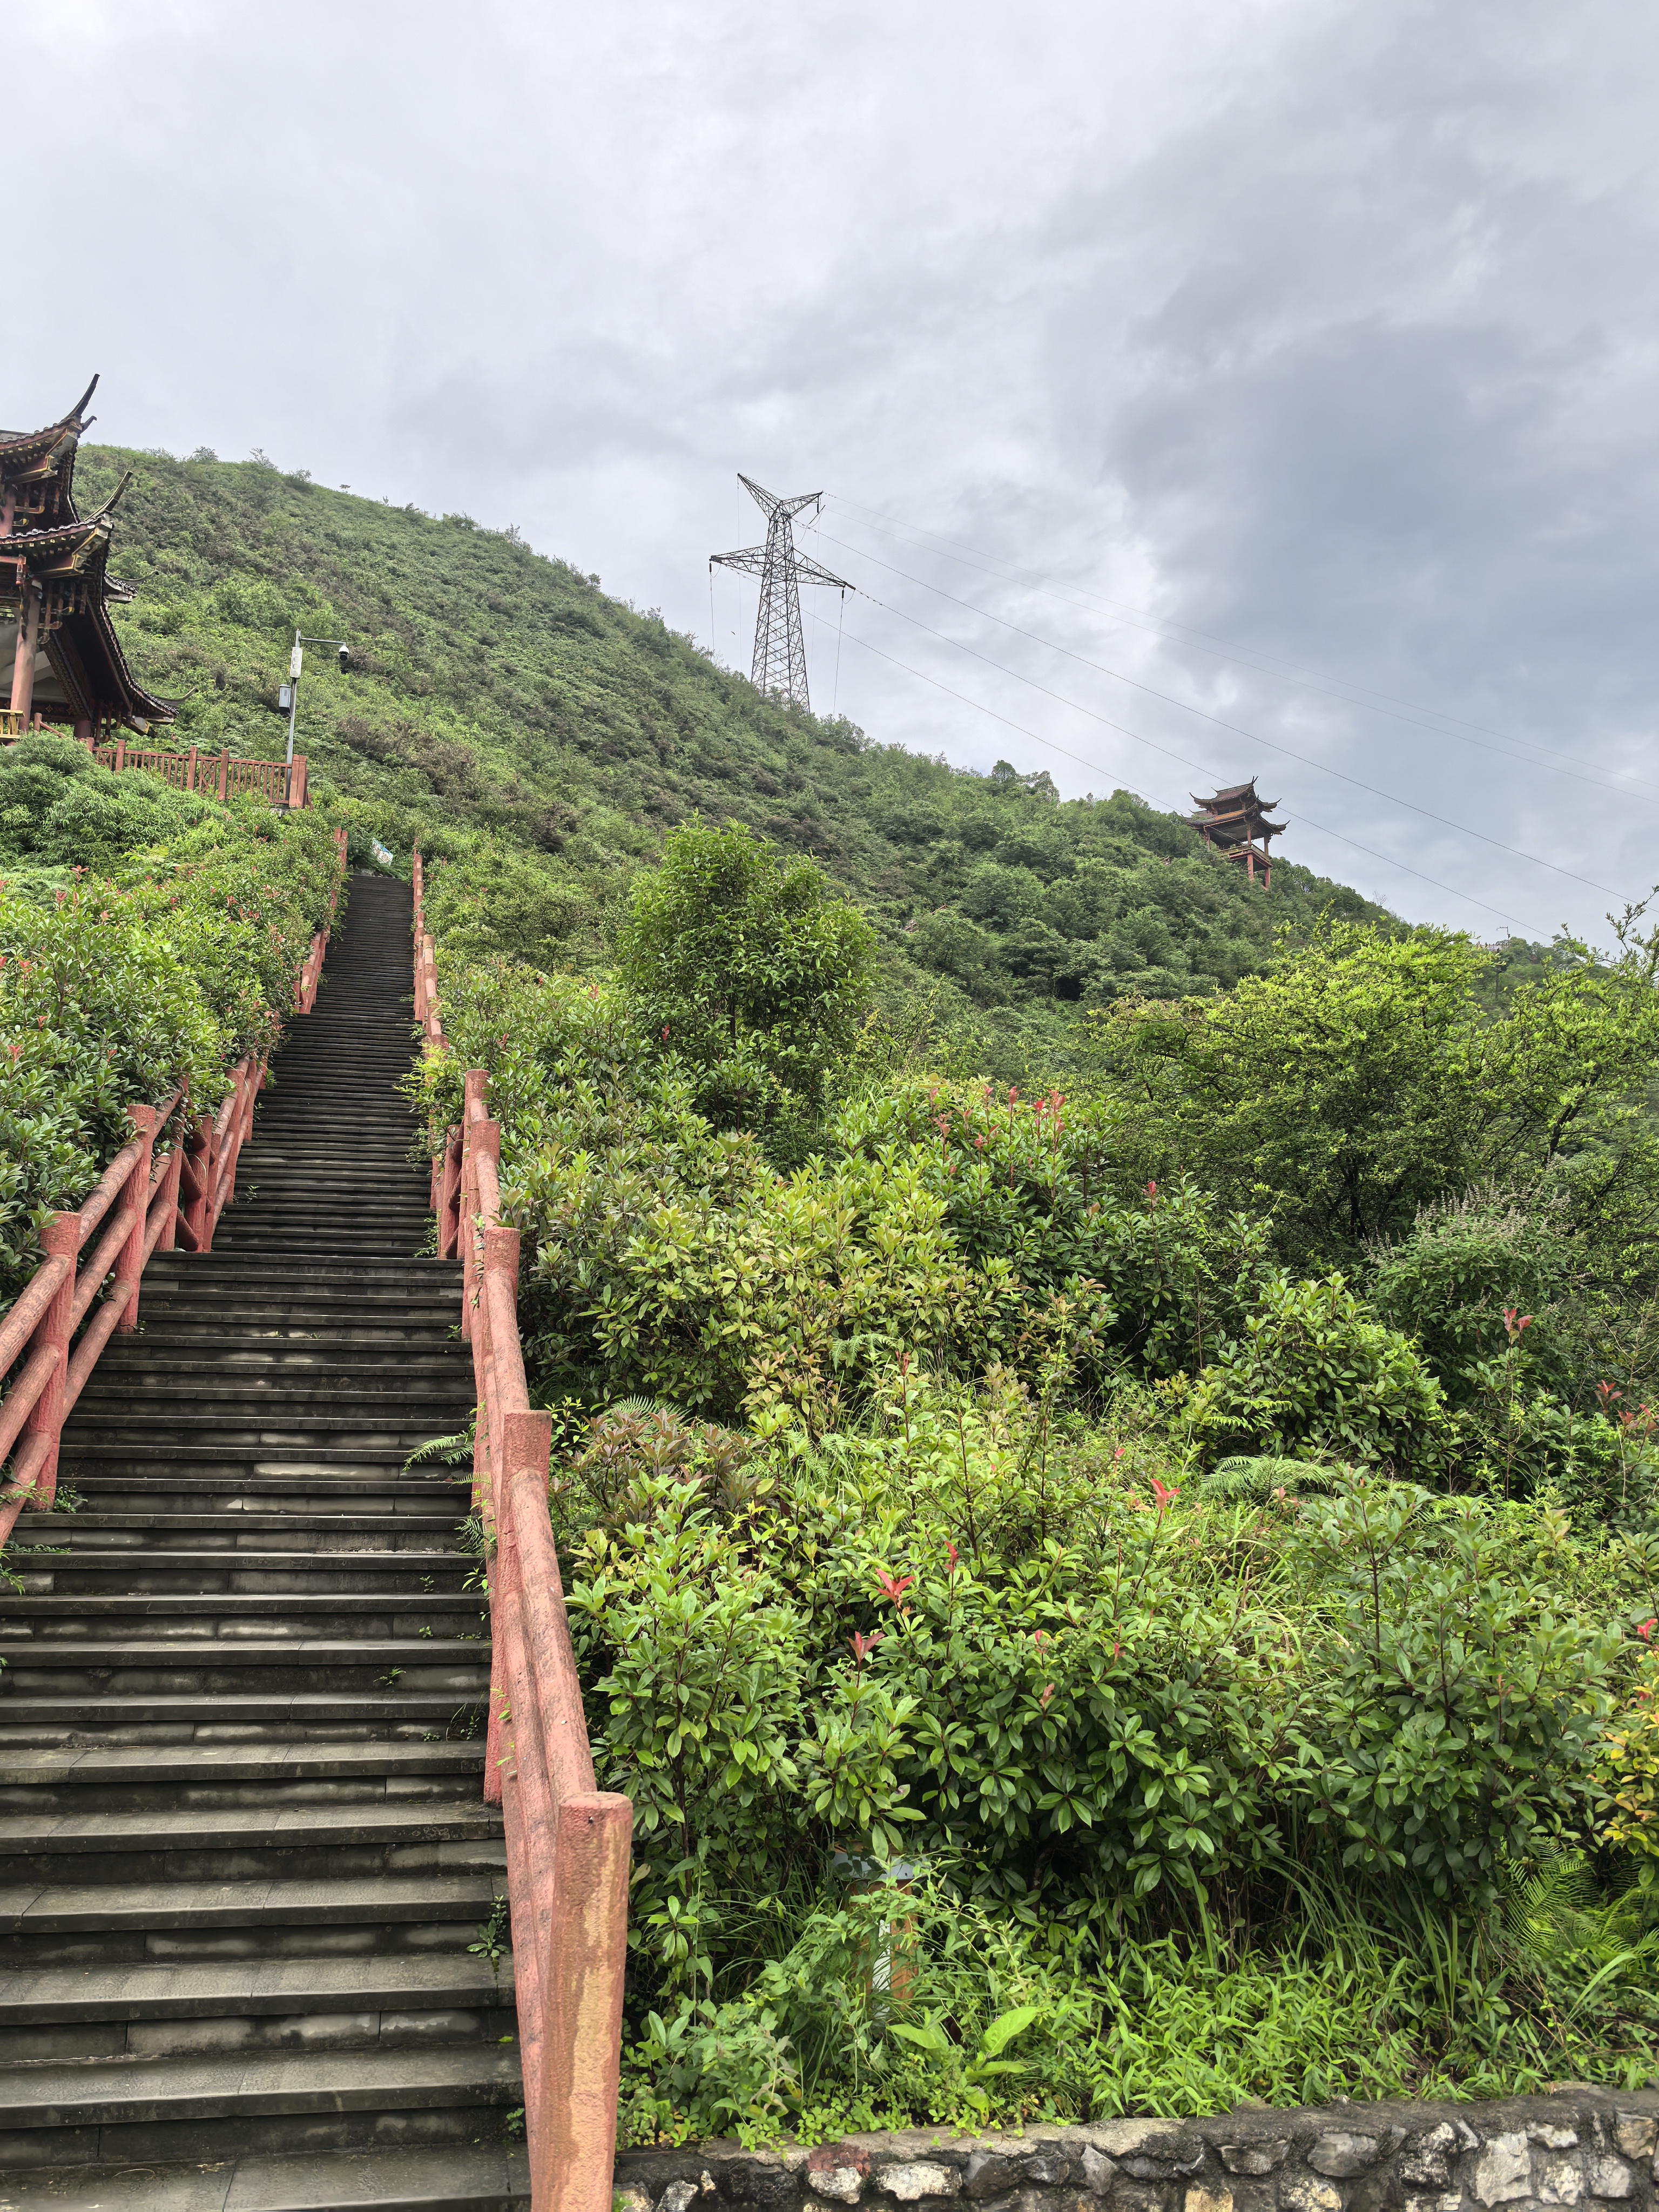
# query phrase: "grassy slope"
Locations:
[[499, 695]]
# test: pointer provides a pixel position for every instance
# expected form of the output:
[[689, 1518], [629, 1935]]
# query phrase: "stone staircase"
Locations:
[[243, 1846]]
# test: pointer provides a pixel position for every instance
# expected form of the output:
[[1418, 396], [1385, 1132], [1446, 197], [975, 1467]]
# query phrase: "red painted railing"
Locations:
[[567, 1843], [142, 1207], [221, 776]]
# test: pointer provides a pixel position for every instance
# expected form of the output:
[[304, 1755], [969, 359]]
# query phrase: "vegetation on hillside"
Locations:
[[148, 938], [542, 737], [1196, 1528], [1124, 1587]]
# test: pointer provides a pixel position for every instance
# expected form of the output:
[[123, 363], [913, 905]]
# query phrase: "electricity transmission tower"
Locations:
[[780, 665]]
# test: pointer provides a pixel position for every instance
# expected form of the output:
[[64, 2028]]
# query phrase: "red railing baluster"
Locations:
[[136, 1196], [60, 1239]]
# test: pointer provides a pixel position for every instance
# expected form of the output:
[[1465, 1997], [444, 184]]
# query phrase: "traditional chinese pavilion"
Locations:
[[1235, 821], [66, 662]]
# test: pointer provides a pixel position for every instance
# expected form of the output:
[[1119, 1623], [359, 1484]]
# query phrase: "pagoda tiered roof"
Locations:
[[55, 590], [1234, 818]]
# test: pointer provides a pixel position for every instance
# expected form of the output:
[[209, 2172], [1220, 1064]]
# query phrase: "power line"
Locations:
[[1388, 797], [1434, 718], [1098, 768]]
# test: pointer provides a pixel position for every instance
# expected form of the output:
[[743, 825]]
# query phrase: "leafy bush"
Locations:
[[58, 807], [749, 972], [118, 992], [1155, 1714], [1313, 1374], [1465, 1262]]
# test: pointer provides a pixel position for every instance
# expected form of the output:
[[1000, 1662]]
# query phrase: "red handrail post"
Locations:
[[167, 1240], [576, 2146], [130, 1266], [60, 1237], [475, 1092], [197, 1212], [449, 1183]]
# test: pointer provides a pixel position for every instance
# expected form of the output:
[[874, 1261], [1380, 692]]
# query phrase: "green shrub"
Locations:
[[1312, 1374], [118, 992]]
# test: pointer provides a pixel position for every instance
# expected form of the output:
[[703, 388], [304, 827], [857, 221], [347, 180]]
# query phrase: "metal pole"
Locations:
[[293, 694]]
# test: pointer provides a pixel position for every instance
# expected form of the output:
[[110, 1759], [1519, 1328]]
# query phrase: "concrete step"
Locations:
[[327, 1488], [217, 1843], [68, 1623], [462, 2177], [241, 1990], [151, 1665], [94, 1530], [81, 1718], [136, 1776], [214, 1435], [62, 1923], [248, 1572], [200, 2108]]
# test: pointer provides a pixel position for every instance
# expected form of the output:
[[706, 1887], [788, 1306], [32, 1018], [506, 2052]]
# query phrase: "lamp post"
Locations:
[[291, 689]]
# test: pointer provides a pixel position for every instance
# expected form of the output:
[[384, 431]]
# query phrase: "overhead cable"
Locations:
[[1437, 720], [1306, 760], [1097, 767]]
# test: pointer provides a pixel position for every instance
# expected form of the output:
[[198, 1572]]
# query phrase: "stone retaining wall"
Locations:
[[1578, 2146]]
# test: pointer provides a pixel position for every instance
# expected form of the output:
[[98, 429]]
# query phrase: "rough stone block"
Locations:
[[839, 2184], [1264, 2157], [1552, 2138], [1606, 2176], [1635, 2134], [1177, 2156], [1503, 2173], [1559, 2180], [1304, 2193], [990, 2172], [1423, 2164], [1138, 2196], [1341, 2155], [1200, 2199], [1099, 2171], [917, 2179], [678, 2197]]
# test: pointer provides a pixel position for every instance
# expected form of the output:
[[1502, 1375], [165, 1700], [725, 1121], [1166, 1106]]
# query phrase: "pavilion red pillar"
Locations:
[[28, 639]]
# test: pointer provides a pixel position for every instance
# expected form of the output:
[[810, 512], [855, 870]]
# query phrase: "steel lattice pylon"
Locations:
[[780, 663]]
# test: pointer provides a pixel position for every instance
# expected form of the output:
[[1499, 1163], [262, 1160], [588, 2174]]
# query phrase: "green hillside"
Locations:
[[504, 709]]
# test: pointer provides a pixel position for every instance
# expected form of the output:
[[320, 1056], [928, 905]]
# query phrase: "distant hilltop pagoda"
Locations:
[[67, 665], [1234, 820]]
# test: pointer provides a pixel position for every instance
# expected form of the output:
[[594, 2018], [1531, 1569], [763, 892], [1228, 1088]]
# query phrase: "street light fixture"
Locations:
[[289, 696]]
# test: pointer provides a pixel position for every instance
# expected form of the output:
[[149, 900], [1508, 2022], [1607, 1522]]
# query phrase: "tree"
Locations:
[[1363, 1079], [746, 965]]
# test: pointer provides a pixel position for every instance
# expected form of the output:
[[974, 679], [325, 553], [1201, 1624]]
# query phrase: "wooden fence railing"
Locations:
[[143, 1205], [567, 1843], [221, 776]]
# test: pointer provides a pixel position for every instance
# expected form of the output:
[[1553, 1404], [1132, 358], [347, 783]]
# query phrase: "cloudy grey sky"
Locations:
[[1292, 360]]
